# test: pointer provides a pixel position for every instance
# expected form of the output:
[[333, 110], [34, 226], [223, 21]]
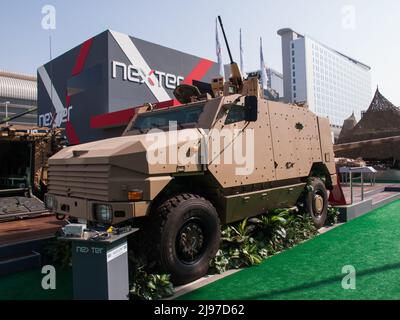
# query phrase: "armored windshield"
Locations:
[[180, 117]]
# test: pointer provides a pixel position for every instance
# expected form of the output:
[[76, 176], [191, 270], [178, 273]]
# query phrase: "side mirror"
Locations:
[[251, 105]]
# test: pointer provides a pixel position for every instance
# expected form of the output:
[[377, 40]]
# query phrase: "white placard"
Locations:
[[115, 253]]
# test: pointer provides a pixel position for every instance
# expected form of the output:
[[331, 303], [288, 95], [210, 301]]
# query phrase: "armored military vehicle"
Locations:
[[181, 180], [24, 151]]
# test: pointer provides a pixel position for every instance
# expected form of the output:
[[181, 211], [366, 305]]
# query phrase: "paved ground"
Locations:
[[313, 270], [369, 191]]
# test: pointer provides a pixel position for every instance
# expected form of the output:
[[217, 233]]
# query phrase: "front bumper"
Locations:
[[83, 208]]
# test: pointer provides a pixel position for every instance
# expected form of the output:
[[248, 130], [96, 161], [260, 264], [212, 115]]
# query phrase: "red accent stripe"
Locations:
[[79, 65], [71, 133], [82, 56], [68, 101], [199, 71], [336, 196], [122, 118], [166, 104], [117, 118]]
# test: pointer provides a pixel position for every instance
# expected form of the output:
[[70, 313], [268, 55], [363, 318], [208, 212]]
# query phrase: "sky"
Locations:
[[364, 30]]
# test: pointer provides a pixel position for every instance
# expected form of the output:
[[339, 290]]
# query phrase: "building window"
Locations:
[[292, 45], [293, 67], [294, 96], [294, 88], [292, 52], [294, 74], [294, 81], [293, 60]]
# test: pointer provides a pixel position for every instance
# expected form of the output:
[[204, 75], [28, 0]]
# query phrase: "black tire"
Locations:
[[188, 238], [316, 202]]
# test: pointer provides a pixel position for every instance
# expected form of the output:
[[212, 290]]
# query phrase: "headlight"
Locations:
[[50, 202], [103, 213]]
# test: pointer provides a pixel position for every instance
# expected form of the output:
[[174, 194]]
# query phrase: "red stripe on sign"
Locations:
[[199, 71], [166, 104], [71, 134], [79, 65], [118, 118], [122, 118], [82, 56], [68, 101]]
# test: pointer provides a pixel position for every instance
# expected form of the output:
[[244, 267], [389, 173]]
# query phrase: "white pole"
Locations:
[[351, 187], [7, 103]]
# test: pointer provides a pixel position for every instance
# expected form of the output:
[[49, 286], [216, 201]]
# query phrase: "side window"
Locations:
[[236, 114]]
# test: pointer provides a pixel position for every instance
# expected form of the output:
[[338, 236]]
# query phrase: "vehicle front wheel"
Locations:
[[188, 238], [316, 201]]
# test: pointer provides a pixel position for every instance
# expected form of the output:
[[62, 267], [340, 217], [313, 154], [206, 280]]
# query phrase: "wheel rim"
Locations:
[[318, 204], [190, 241]]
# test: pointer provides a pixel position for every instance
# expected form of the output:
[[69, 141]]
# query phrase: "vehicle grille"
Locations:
[[80, 181]]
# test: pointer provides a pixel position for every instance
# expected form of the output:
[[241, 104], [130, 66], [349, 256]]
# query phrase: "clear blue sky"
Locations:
[[189, 26]]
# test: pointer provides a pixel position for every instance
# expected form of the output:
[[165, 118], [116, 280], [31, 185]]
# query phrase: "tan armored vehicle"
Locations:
[[187, 179], [24, 151]]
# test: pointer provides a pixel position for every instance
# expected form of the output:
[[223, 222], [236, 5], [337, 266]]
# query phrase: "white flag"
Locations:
[[241, 55], [219, 53], [264, 77]]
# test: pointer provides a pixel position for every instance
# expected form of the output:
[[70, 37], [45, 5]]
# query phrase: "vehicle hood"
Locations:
[[152, 153]]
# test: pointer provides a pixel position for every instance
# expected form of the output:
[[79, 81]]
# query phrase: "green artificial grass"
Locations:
[[313, 270], [27, 286]]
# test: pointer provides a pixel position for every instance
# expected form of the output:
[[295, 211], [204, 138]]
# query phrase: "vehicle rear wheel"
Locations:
[[316, 202], [188, 237]]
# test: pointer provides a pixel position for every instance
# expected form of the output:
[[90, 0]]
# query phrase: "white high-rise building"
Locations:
[[331, 83]]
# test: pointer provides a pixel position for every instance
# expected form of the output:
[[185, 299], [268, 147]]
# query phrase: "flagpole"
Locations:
[[264, 77], [219, 52], [241, 53]]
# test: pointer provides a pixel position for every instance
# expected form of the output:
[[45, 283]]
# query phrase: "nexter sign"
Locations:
[[136, 75], [92, 89]]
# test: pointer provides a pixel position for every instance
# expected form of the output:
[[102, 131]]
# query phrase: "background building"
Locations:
[[93, 89], [331, 83], [275, 81], [18, 93]]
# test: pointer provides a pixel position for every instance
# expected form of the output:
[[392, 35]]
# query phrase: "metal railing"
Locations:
[[348, 177]]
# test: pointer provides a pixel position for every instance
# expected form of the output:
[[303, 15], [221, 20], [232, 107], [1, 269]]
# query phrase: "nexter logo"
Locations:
[[134, 74], [55, 119]]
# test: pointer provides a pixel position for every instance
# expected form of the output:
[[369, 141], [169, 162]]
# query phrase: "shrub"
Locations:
[[145, 285], [333, 215], [249, 242], [58, 252]]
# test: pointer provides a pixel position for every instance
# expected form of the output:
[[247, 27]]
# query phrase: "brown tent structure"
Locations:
[[382, 120], [348, 125]]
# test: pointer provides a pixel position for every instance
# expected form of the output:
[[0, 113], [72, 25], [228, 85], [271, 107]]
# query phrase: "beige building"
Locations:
[[18, 93]]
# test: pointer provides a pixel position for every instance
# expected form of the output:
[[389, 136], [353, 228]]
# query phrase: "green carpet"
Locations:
[[27, 286], [313, 270]]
